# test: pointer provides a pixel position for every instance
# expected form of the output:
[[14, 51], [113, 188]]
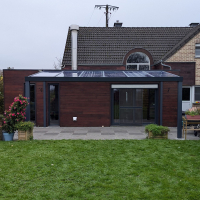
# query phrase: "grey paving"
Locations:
[[98, 133]]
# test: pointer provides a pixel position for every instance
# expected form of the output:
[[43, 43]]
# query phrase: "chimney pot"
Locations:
[[118, 24], [194, 24]]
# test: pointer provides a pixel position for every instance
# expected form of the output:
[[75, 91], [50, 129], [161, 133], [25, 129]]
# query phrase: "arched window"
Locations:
[[138, 61]]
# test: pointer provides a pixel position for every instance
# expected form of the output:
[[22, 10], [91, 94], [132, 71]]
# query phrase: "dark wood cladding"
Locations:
[[170, 102], [89, 102], [96, 67], [186, 70], [14, 81]]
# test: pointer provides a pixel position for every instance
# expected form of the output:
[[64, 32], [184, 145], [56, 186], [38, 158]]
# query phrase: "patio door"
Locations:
[[130, 106], [134, 106]]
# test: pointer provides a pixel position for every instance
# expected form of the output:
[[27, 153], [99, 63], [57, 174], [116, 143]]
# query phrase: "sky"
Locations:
[[33, 33]]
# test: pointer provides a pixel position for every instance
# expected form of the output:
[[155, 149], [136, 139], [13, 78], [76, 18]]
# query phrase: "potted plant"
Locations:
[[14, 115], [25, 130], [156, 131], [193, 113], [8, 126]]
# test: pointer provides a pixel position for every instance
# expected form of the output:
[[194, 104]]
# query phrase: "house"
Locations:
[[114, 76]]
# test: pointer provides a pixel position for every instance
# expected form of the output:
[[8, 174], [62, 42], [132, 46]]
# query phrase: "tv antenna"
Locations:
[[107, 7]]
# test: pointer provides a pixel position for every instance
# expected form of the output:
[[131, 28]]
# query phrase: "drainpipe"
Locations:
[[74, 35], [165, 65]]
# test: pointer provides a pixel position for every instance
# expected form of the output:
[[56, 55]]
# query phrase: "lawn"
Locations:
[[101, 169]]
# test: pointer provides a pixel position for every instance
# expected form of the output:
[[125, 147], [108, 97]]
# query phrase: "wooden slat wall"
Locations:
[[170, 99]]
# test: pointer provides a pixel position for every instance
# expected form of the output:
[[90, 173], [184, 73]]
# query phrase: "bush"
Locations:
[[15, 114], [24, 126], [156, 129]]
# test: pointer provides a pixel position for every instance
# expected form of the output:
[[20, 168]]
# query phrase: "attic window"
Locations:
[[197, 50], [138, 61]]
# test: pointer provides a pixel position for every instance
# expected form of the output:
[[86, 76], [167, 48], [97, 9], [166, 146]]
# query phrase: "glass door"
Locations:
[[53, 105], [133, 106]]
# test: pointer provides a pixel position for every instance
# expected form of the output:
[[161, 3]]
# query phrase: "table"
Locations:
[[187, 122]]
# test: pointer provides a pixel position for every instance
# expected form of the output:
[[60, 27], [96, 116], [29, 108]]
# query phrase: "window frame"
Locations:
[[197, 46], [138, 64], [195, 93]]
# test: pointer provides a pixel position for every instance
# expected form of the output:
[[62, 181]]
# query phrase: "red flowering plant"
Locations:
[[15, 114]]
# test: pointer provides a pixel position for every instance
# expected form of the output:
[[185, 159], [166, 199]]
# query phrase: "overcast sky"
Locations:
[[33, 32]]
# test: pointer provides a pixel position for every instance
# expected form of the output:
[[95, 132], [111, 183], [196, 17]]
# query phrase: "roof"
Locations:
[[102, 76], [109, 45]]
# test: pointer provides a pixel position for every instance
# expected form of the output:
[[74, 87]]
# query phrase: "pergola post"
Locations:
[[179, 111], [27, 94]]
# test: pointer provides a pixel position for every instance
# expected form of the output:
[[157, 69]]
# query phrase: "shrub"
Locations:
[[15, 114], [24, 126], [156, 129]]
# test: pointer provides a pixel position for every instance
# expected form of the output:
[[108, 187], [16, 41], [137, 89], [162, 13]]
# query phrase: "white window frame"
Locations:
[[195, 94], [197, 46], [138, 64]]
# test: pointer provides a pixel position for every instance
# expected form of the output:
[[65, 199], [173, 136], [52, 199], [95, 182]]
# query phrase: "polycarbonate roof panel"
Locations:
[[109, 74]]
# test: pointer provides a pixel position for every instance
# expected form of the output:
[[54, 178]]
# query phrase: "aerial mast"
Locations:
[[107, 7]]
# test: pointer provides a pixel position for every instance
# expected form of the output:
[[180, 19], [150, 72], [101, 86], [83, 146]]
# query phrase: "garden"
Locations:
[[100, 169]]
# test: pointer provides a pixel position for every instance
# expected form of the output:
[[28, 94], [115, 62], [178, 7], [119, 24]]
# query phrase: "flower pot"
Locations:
[[196, 117], [151, 136], [25, 135], [8, 136]]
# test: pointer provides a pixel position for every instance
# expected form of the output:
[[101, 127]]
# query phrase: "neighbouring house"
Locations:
[[114, 76]]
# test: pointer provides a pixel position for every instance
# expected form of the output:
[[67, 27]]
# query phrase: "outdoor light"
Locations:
[[74, 119]]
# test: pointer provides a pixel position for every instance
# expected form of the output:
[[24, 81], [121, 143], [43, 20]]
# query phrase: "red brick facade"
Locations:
[[90, 102]]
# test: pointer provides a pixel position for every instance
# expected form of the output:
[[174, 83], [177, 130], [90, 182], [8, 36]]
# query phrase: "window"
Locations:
[[197, 50], [186, 94], [138, 61], [197, 94]]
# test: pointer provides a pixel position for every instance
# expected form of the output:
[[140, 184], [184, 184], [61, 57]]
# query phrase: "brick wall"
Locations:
[[14, 84], [187, 54], [89, 101]]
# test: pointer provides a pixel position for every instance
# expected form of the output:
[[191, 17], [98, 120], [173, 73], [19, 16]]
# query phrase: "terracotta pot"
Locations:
[[196, 117]]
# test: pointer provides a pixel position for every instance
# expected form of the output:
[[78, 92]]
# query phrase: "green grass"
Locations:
[[102, 169]]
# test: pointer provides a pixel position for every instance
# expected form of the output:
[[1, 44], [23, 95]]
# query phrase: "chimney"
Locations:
[[194, 24], [118, 24], [74, 36]]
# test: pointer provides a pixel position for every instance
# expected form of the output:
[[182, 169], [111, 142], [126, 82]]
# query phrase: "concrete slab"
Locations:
[[98, 133]]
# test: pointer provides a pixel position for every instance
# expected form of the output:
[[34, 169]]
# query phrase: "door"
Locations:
[[133, 106], [53, 105], [130, 106], [186, 98]]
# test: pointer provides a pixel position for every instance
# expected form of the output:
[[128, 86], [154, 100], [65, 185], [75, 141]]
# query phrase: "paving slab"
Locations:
[[98, 133]]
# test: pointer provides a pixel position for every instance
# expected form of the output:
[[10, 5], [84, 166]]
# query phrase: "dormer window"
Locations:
[[197, 50], [138, 61]]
